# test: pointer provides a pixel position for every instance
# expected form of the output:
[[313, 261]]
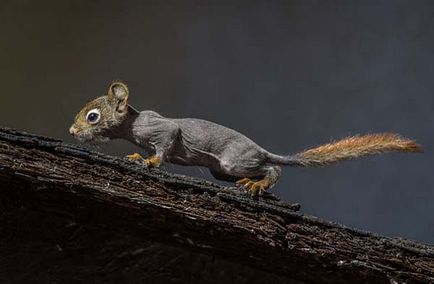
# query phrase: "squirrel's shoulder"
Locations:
[[150, 118], [149, 113]]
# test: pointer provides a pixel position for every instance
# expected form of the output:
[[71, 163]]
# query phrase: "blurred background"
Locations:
[[288, 74]]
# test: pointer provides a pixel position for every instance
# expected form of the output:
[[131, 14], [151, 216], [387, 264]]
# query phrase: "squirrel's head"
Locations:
[[98, 119]]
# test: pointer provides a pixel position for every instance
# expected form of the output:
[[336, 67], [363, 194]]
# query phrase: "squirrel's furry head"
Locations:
[[97, 119]]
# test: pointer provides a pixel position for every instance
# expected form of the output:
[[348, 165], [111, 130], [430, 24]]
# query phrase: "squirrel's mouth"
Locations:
[[79, 134], [83, 135], [83, 138]]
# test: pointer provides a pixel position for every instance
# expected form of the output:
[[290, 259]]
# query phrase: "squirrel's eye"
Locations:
[[93, 116]]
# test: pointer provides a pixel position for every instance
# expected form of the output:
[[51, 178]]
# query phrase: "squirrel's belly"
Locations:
[[180, 161], [187, 156]]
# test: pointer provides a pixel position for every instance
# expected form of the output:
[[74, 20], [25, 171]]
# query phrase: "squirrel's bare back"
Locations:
[[194, 141]]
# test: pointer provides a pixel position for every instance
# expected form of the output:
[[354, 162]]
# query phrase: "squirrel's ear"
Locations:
[[118, 96]]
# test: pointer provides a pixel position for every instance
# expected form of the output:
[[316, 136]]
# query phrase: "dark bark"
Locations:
[[72, 215]]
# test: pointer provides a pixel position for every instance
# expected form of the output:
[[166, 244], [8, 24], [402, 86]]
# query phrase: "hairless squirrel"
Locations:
[[228, 154]]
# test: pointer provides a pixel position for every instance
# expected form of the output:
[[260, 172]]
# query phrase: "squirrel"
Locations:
[[228, 154]]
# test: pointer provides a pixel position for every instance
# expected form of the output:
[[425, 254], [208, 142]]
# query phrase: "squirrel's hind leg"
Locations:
[[268, 181]]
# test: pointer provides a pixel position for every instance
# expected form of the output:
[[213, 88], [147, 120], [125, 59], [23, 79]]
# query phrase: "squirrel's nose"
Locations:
[[73, 130]]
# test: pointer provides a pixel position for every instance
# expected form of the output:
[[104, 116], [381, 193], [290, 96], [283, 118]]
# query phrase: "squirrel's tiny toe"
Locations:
[[135, 157], [253, 192], [243, 181], [249, 185]]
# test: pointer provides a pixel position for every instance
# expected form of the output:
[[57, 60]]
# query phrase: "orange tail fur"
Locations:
[[349, 148]]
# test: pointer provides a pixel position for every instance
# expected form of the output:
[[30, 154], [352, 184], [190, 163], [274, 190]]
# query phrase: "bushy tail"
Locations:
[[347, 149]]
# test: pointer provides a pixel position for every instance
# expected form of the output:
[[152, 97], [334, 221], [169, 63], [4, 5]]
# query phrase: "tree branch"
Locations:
[[45, 182]]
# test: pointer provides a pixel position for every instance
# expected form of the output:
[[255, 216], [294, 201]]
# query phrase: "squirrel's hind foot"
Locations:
[[258, 187], [255, 187]]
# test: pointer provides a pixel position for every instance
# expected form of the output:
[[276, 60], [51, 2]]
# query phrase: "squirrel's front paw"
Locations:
[[135, 157], [152, 162]]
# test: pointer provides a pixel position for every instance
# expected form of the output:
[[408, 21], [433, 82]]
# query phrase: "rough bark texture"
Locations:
[[68, 214]]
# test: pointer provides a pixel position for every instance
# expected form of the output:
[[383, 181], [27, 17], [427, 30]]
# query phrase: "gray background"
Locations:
[[288, 74]]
